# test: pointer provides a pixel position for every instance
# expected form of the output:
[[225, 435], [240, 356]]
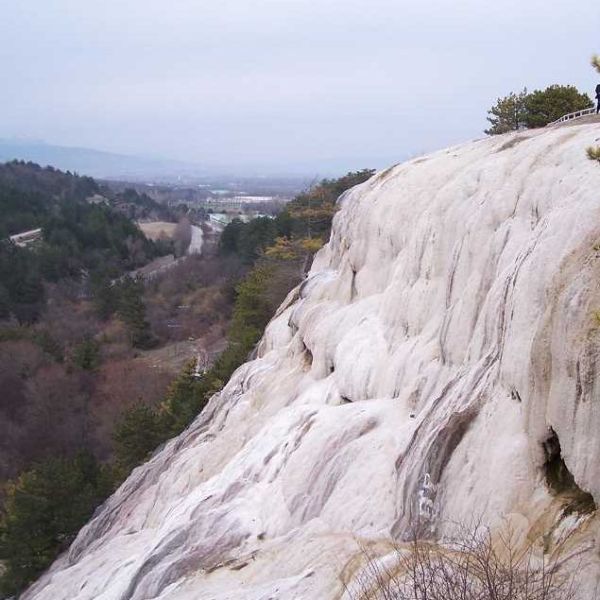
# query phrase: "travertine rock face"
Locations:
[[441, 337]]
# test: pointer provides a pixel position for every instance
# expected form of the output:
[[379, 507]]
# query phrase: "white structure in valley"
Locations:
[[446, 331], [196, 241]]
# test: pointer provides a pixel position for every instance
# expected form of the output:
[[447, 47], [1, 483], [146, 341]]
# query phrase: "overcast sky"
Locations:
[[278, 83]]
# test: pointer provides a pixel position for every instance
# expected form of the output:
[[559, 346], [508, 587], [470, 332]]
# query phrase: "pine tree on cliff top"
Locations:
[[508, 114]]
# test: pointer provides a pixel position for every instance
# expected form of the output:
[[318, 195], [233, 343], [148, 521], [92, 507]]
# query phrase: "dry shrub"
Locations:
[[42, 407], [593, 153], [182, 236], [120, 385], [473, 565], [189, 299]]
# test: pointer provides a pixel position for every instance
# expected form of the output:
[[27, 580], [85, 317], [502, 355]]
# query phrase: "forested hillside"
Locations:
[[30, 194], [67, 369], [84, 401], [85, 236]]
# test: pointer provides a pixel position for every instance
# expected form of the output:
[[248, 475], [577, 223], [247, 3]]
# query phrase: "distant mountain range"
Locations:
[[109, 165], [97, 163]]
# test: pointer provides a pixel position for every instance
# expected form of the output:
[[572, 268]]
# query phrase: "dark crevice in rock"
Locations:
[[513, 142], [447, 441], [307, 355], [292, 325], [353, 290], [308, 261], [302, 288], [560, 480], [514, 394], [578, 386]]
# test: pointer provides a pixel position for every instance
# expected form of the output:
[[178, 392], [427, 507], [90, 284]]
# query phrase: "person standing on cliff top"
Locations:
[[598, 98]]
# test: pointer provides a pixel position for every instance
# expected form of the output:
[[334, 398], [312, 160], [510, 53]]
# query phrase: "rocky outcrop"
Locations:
[[440, 361]]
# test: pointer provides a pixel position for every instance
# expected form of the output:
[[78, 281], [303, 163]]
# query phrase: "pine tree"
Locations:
[[508, 114], [86, 355], [104, 297], [132, 311], [185, 399], [545, 106], [5, 304], [139, 432], [43, 511]]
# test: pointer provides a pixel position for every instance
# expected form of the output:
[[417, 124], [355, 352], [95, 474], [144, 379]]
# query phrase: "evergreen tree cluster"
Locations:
[[43, 510], [249, 240], [29, 192], [528, 110], [79, 238], [124, 298]]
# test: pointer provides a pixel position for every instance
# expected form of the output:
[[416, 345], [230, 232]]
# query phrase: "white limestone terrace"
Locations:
[[445, 328]]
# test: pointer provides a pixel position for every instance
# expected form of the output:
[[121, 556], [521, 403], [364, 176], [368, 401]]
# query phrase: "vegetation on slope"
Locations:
[[472, 563], [66, 370], [44, 508], [81, 238], [593, 153], [83, 391], [280, 250]]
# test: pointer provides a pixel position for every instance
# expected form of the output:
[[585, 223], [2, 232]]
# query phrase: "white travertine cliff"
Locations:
[[445, 333]]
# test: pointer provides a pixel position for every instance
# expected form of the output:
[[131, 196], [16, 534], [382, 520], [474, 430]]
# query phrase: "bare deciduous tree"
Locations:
[[473, 565], [182, 236]]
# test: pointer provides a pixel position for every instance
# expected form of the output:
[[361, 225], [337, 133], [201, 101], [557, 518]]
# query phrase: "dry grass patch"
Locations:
[[158, 230]]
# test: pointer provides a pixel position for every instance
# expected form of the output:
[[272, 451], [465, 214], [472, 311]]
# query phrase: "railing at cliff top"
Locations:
[[574, 115]]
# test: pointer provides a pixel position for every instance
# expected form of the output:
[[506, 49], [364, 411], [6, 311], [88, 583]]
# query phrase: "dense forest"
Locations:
[[86, 236], [85, 399], [31, 194]]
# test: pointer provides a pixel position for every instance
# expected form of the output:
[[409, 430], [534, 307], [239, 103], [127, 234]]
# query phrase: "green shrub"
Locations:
[[86, 355], [132, 311], [138, 433], [43, 511], [184, 400], [593, 153]]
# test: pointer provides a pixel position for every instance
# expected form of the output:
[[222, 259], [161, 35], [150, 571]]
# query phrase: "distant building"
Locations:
[[97, 199], [253, 199], [26, 237], [221, 220]]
